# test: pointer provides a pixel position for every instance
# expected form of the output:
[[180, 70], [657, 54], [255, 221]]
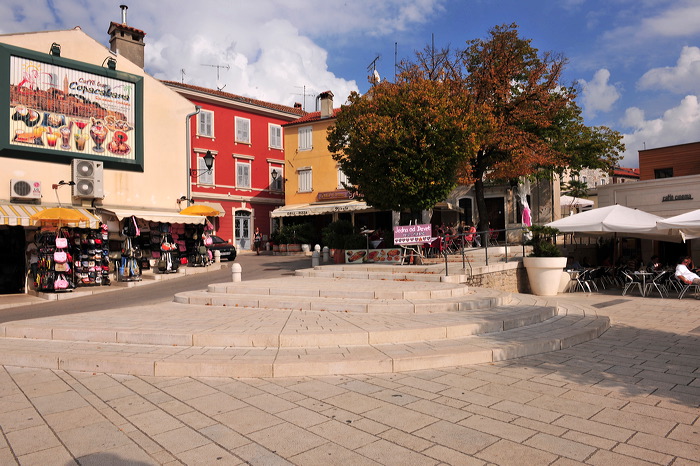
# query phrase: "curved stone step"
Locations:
[[325, 304], [207, 326], [163, 360]]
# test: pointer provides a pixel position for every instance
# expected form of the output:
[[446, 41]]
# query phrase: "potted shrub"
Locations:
[[544, 265], [296, 235], [333, 236]]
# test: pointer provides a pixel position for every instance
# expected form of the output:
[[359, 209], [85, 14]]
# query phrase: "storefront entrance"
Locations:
[[495, 206], [242, 230], [12, 260]]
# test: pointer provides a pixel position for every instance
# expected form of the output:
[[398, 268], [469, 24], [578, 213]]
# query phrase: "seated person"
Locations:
[[654, 264], [474, 237], [684, 274], [574, 264]]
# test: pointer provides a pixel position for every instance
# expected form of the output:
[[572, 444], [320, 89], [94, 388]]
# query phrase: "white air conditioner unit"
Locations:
[[88, 178], [25, 189]]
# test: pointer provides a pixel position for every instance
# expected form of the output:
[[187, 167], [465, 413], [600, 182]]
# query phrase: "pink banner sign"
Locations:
[[412, 234]]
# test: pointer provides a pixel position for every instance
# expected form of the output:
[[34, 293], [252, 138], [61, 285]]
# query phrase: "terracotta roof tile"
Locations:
[[237, 98], [623, 171], [124, 26], [311, 117]]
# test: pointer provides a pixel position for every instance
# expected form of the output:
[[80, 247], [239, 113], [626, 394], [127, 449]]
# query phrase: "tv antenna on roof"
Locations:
[[303, 96], [218, 69], [182, 75], [373, 77]]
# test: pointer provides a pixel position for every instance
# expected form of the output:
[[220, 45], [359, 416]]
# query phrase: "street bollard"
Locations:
[[326, 254], [217, 256], [314, 259], [236, 272]]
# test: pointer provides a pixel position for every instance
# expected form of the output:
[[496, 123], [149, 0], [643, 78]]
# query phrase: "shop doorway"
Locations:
[[495, 206], [465, 215], [12, 260], [242, 229]]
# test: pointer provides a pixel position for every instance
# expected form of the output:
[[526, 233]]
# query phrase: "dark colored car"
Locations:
[[227, 250]]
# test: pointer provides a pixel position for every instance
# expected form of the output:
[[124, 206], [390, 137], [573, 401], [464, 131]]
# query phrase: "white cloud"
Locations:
[[684, 77], [598, 94], [681, 19], [276, 50], [678, 125]]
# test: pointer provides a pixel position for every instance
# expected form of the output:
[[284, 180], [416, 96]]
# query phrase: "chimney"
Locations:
[[126, 41], [326, 104]]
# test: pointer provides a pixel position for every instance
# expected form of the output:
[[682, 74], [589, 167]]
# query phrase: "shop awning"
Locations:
[[215, 206], [444, 205], [298, 210], [155, 216], [20, 215]]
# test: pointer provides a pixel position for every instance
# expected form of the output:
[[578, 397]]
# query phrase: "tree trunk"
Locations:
[[481, 208]]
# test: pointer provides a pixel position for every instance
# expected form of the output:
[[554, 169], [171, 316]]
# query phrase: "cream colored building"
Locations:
[[157, 183]]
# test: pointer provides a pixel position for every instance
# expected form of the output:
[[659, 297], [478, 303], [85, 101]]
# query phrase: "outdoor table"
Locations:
[[643, 275]]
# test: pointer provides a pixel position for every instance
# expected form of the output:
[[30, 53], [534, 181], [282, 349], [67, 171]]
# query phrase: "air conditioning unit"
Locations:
[[25, 189], [88, 178]]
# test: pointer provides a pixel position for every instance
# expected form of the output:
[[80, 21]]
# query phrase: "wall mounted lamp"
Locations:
[[208, 162]]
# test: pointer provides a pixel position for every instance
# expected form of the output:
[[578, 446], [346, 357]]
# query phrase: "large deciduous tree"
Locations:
[[496, 110], [531, 124], [402, 143]]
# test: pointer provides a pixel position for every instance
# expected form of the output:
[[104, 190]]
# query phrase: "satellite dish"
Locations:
[[374, 78]]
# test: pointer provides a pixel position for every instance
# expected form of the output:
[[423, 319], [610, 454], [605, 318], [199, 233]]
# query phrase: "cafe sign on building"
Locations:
[[58, 109]]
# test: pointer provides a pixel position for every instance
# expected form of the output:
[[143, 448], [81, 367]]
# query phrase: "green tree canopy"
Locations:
[[496, 110], [401, 144]]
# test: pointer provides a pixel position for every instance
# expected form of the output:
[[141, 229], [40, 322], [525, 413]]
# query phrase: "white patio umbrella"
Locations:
[[688, 224], [616, 219], [571, 201]]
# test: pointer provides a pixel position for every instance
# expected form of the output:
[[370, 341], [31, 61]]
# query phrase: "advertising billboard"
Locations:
[[61, 109]]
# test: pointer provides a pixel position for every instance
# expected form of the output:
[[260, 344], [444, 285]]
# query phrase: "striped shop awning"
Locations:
[[20, 215]]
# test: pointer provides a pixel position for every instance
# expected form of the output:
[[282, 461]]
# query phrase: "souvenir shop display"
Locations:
[[167, 251], [53, 272], [128, 265], [199, 254], [91, 256]]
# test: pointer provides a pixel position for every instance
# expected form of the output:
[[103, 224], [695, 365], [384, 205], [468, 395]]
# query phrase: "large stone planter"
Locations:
[[544, 274], [338, 256]]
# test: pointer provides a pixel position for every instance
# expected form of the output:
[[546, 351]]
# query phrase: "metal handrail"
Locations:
[[485, 238]]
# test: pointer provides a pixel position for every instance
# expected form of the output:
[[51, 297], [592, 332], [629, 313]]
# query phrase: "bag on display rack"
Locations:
[[60, 283], [60, 257]]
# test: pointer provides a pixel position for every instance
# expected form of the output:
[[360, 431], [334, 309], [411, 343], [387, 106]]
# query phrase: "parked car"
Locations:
[[226, 249]]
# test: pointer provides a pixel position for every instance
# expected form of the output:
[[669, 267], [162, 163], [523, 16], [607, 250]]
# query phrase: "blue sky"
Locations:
[[636, 61]]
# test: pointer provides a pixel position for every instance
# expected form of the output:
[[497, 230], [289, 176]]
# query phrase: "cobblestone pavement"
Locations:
[[629, 397]]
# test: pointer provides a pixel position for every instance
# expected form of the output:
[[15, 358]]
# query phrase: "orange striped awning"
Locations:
[[20, 215]]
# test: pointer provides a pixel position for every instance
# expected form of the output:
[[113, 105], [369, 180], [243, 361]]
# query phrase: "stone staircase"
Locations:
[[323, 321]]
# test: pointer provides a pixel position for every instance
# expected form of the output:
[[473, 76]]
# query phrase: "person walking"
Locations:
[[257, 240]]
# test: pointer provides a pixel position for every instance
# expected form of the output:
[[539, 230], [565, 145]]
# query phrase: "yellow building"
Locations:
[[313, 180]]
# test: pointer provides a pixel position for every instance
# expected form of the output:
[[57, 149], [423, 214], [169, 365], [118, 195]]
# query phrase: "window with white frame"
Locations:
[[305, 138], [205, 123], [242, 175], [204, 176], [275, 136], [243, 130], [305, 182], [342, 179], [276, 179]]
